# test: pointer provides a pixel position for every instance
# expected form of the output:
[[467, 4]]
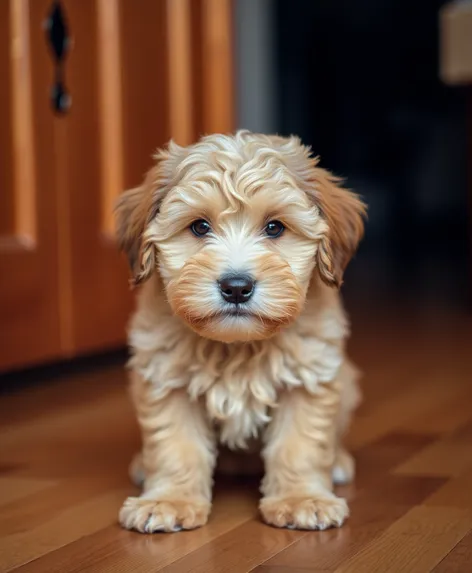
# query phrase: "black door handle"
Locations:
[[58, 39]]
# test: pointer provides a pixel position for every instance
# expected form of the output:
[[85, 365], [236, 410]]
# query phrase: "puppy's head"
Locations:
[[236, 226]]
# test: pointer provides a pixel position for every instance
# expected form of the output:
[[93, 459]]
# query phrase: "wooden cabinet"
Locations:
[[138, 72], [29, 256]]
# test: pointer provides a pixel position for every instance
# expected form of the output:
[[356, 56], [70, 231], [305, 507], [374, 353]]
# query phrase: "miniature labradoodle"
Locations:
[[239, 243]]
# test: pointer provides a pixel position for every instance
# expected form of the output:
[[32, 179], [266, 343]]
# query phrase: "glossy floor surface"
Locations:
[[65, 445]]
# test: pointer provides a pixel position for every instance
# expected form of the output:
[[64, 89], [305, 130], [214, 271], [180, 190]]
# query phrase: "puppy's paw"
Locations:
[[344, 468], [169, 515], [320, 511]]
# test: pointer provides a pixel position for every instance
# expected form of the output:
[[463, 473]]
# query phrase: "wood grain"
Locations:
[[65, 448], [95, 282], [111, 110], [415, 543], [29, 266], [180, 71], [23, 152], [217, 66], [7, 197], [145, 87], [458, 558]]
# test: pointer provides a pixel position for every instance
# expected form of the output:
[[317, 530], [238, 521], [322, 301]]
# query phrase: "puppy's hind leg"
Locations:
[[344, 468], [136, 470], [344, 465]]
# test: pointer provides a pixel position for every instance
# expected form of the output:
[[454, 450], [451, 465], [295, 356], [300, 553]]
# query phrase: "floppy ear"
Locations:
[[344, 213], [131, 217], [342, 210], [134, 212]]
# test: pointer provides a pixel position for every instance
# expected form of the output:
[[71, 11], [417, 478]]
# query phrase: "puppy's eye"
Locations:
[[200, 227], [274, 229]]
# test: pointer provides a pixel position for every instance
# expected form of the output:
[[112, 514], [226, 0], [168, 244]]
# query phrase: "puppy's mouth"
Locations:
[[231, 313], [236, 312]]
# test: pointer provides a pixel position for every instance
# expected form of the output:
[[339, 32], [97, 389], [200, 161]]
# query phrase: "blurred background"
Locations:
[[90, 88]]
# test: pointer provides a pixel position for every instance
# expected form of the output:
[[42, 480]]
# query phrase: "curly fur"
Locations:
[[201, 377]]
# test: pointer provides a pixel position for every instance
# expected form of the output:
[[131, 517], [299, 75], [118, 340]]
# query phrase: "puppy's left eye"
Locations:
[[200, 227], [274, 229]]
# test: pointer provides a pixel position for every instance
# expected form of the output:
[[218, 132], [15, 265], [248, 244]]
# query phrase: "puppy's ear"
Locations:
[[342, 210], [131, 217], [134, 212], [344, 213]]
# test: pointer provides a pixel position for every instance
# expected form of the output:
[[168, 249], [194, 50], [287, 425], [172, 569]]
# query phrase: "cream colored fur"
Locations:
[[201, 378]]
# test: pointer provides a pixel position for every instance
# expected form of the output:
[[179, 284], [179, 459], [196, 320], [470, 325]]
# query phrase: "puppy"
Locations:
[[239, 243]]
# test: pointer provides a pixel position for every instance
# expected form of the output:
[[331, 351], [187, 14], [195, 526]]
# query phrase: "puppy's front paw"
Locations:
[[169, 515], [317, 512]]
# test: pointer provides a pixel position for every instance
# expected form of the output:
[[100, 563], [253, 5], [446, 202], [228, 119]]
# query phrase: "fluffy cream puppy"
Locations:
[[239, 242]]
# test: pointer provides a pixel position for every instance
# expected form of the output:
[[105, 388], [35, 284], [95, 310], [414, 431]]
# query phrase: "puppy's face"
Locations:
[[237, 247], [234, 231]]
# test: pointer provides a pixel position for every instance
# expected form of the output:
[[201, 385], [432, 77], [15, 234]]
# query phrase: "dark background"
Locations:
[[360, 82]]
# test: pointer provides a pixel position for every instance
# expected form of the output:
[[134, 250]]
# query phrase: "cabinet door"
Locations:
[[90, 166], [30, 297]]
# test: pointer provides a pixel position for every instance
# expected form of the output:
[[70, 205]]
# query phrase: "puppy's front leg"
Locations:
[[299, 456], [178, 459]]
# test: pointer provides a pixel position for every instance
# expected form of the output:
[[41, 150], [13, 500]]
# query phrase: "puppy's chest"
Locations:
[[239, 386], [241, 389], [237, 401]]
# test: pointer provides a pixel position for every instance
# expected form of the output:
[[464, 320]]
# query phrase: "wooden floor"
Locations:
[[65, 447]]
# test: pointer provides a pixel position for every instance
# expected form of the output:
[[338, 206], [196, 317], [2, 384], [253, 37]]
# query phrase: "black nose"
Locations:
[[236, 289]]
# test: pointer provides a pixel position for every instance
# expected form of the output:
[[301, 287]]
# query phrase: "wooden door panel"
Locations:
[[217, 66], [7, 199], [117, 76], [212, 73], [98, 298], [144, 84], [29, 310]]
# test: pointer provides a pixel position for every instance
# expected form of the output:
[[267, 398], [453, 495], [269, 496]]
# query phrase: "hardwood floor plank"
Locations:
[[392, 413], [386, 453], [115, 549], [238, 551], [287, 569], [450, 456], [415, 543], [36, 508], [457, 492], [79, 424], [13, 488], [459, 559], [94, 384], [74, 522], [444, 417]]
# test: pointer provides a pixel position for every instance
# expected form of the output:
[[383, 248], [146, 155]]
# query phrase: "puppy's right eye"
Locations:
[[200, 227]]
